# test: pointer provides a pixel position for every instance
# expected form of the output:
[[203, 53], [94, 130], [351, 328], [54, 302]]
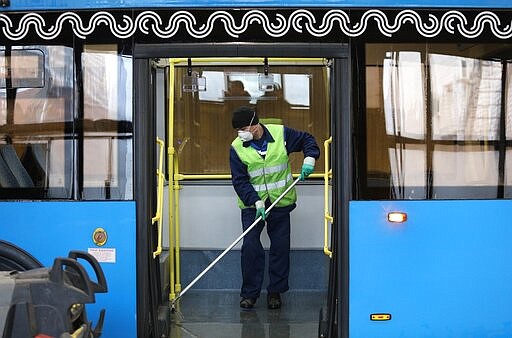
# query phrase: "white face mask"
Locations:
[[245, 135]]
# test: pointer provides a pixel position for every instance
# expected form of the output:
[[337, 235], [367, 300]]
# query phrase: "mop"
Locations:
[[173, 302]]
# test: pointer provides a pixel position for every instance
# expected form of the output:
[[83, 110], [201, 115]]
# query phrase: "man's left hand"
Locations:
[[307, 168]]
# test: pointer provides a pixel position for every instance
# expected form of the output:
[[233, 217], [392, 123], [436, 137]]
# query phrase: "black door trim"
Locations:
[[342, 183], [144, 169]]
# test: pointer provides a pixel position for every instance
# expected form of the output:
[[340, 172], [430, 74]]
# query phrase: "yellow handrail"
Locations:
[[159, 197], [181, 177], [176, 187], [327, 217], [246, 60], [170, 171]]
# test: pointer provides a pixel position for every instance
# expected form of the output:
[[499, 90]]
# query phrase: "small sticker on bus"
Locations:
[[103, 255]]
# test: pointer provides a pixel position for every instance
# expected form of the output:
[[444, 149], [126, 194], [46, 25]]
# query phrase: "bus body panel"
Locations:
[[51, 229], [445, 272]]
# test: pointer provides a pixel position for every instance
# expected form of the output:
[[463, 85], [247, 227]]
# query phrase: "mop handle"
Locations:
[[235, 242]]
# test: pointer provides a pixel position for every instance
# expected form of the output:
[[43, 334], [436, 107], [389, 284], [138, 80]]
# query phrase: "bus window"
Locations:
[[36, 116], [438, 122], [203, 132], [108, 133]]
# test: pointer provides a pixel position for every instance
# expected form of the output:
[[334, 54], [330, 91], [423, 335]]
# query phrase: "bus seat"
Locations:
[[13, 162], [7, 179], [39, 152]]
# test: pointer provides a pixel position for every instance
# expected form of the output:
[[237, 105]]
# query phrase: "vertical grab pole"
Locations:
[[176, 189], [170, 171]]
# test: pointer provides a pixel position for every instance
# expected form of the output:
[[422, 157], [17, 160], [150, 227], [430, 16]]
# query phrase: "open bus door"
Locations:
[[152, 316], [334, 316]]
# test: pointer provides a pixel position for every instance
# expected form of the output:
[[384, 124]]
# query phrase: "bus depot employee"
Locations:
[[261, 172]]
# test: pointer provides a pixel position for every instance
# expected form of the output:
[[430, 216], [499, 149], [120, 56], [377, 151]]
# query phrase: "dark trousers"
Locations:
[[253, 254]]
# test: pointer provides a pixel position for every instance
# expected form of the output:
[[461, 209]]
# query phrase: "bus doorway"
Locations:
[[199, 95]]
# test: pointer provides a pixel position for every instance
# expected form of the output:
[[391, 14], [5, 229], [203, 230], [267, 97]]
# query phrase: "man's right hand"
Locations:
[[260, 209]]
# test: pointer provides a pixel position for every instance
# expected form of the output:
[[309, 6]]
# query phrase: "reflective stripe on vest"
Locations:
[[268, 170], [269, 176], [274, 185]]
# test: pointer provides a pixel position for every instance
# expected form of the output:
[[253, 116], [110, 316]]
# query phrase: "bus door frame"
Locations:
[[342, 157], [147, 269], [144, 181]]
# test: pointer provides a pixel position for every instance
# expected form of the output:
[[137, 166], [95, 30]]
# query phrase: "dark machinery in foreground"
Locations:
[[47, 302]]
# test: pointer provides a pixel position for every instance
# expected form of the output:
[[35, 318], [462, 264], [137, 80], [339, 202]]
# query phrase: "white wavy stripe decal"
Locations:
[[278, 25]]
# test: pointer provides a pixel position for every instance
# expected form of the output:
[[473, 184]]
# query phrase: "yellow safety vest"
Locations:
[[269, 176]]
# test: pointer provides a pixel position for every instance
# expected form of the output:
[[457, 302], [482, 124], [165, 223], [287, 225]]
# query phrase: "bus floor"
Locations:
[[217, 314]]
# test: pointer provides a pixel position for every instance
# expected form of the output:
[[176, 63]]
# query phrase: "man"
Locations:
[[236, 96], [237, 89], [261, 172]]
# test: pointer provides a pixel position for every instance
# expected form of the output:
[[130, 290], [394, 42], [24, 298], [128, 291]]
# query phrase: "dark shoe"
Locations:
[[247, 303], [274, 301]]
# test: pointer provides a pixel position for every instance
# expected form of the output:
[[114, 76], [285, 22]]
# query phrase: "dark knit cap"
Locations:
[[242, 117]]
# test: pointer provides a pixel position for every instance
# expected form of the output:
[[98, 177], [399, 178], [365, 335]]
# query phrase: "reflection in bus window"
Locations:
[[438, 119], [508, 130], [236, 95], [215, 86], [296, 89], [203, 120], [21, 68], [407, 162], [404, 99], [472, 166], [273, 102], [107, 123], [36, 140], [466, 98]]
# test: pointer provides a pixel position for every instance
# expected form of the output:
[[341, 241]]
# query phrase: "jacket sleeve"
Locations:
[[301, 141], [240, 179]]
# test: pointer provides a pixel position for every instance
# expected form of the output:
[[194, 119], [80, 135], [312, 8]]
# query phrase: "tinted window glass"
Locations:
[[294, 95], [108, 131], [36, 122], [438, 122]]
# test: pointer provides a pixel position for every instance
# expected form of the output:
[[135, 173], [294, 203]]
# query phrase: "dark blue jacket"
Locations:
[[295, 141]]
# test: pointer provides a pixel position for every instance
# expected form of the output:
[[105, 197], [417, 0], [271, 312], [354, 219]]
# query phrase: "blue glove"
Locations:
[[260, 210], [307, 168]]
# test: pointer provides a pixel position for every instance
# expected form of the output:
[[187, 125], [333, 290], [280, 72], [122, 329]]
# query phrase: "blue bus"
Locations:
[[403, 229]]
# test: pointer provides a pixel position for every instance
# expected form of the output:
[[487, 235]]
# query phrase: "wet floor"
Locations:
[[217, 314]]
